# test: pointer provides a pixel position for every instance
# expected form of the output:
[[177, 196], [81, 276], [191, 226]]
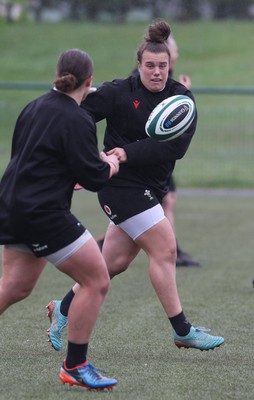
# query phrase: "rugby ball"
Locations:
[[171, 118]]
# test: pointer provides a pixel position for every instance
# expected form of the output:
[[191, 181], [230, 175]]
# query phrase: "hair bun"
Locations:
[[158, 32]]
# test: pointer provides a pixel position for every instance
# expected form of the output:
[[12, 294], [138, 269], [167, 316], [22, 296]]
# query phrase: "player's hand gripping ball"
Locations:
[[171, 118]]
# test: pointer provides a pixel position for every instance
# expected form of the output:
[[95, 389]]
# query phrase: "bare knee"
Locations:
[[14, 292], [21, 295], [104, 285], [119, 264], [166, 256], [172, 252], [97, 284]]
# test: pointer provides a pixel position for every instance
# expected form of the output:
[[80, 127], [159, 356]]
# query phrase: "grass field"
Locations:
[[133, 339], [214, 54]]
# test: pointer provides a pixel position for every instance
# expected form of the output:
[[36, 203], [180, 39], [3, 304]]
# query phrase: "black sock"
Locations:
[[66, 302], [180, 324], [76, 354]]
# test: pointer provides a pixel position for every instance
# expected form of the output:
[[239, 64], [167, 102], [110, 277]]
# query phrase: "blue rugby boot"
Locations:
[[57, 324], [197, 338], [86, 375]]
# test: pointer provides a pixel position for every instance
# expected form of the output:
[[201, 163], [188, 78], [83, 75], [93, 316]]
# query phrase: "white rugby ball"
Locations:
[[171, 118]]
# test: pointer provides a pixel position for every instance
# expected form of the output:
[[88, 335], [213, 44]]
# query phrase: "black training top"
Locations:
[[54, 146], [126, 105]]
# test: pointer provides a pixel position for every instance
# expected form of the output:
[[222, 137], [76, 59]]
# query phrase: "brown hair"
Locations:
[[155, 40], [73, 68]]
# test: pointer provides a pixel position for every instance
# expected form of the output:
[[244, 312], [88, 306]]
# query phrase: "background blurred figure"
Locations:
[[169, 200]]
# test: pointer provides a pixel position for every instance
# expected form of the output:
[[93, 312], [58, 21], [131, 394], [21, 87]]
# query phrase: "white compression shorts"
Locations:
[[61, 255], [140, 223]]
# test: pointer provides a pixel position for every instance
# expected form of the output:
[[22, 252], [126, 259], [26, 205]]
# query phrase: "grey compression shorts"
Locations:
[[59, 256]]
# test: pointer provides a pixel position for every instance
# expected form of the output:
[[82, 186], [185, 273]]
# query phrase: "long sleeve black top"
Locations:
[[126, 105], [54, 146]]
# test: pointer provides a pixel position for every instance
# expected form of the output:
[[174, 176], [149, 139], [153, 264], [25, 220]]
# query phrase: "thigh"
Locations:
[[159, 241], [21, 269], [64, 253], [119, 250], [86, 266]]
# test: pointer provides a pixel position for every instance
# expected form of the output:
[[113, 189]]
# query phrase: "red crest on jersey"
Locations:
[[136, 103]]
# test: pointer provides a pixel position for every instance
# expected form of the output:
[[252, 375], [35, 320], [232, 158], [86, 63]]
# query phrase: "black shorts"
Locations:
[[59, 256], [46, 239], [57, 241], [121, 203]]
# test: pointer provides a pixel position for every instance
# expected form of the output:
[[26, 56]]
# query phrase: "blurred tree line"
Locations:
[[118, 10]]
